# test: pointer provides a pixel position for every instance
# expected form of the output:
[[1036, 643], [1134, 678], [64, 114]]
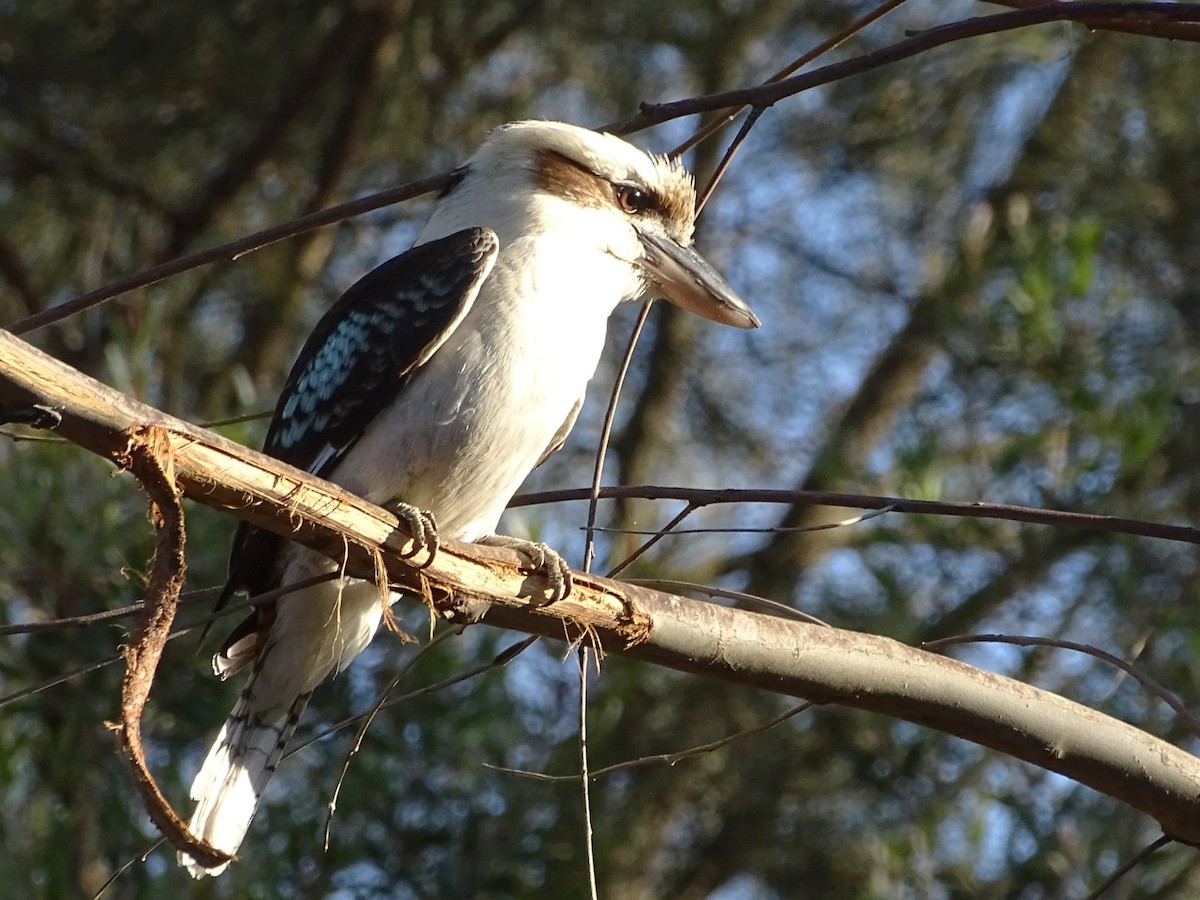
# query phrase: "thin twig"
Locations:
[[17, 438], [666, 530], [585, 782], [605, 432], [141, 857], [236, 420], [85, 621], [232, 250], [799, 62], [1171, 31], [501, 659], [60, 678], [976, 510], [723, 165], [1138, 858], [646, 545], [191, 598], [1127, 667], [589, 553], [1091, 14], [369, 717], [669, 759], [752, 601]]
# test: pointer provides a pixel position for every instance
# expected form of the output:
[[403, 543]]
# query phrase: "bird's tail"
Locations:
[[236, 772]]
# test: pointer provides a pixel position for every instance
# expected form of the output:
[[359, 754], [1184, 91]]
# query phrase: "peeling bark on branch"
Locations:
[[148, 456], [470, 583]]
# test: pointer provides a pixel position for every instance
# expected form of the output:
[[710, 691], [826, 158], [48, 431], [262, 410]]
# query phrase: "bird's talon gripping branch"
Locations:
[[421, 525], [543, 559]]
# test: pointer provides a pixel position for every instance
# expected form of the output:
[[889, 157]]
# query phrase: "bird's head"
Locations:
[[638, 207]]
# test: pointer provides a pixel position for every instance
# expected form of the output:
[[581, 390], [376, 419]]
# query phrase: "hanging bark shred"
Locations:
[[148, 456]]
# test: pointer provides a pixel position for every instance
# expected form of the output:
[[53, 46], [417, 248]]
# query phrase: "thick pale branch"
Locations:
[[465, 582]]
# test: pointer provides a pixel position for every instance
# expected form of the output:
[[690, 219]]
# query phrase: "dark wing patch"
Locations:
[[358, 358], [370, 342]]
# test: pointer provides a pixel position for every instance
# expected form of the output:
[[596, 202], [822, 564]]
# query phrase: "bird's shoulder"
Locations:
[[369, 343]]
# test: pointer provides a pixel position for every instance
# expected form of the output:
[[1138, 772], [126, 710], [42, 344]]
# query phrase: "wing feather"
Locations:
[[359, 357], [369, 343]]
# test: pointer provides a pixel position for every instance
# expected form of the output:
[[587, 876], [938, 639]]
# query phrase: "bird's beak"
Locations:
[[687, 280]]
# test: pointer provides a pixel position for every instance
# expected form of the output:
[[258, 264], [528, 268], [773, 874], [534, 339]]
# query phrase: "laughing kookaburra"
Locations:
[[435, 385]]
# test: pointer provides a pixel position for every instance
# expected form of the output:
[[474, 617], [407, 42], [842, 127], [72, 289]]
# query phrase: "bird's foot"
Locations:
[[420, 525], [544, 560]]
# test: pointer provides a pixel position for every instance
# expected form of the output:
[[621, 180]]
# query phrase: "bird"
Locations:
[[433, 386]]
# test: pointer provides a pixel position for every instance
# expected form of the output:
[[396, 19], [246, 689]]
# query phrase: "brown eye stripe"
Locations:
[[556, 174]]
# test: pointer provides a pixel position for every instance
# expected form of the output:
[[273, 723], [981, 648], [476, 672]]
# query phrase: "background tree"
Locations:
[[974, 271]]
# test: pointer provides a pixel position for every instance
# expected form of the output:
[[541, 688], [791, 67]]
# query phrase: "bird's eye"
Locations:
[[632, 199]]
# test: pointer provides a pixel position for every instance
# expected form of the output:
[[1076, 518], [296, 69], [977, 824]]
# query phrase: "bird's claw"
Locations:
[[543, 559], [421, 525]]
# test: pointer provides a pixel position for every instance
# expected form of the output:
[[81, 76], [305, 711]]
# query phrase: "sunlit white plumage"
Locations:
[[440, 380]]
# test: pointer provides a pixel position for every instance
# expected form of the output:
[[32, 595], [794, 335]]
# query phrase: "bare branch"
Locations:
[[1162, 27], [87, 621], [365, 723], [799, 62], [750, 601], [148, 456], [1128, 866], [669, 759], [1095, 15], [58, 679], [470, 583], [1023, 640], [655, 537], [972, 510], [606, 431], [1159, 19], [585, 781], [499, 661], [141, 857], [273, 130], [230, 250]]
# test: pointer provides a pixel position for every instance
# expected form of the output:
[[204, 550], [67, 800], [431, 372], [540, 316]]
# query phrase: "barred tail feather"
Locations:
[[236, 772]]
